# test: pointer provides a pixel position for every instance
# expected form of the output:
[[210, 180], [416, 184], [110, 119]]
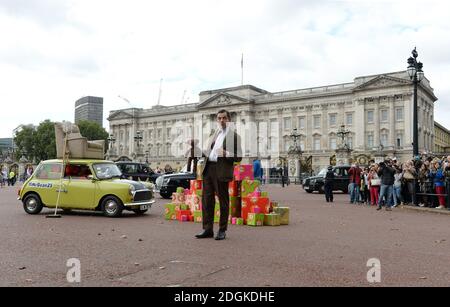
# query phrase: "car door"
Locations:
[[45, 183], [338, 182], [78, 189]]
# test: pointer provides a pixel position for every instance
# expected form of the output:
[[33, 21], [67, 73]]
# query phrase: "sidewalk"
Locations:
[[428, 210]]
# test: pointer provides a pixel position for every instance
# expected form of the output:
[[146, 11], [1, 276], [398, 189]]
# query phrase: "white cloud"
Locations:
[[56, 51]]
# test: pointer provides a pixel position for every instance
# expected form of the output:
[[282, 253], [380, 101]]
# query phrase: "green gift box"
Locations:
[[170, 211], [216, 212], [255, 219], [198, 216], [180, 190], [272, 219], [184, 207], [239, 221], [284, 214], [248, 187], [264, 194]]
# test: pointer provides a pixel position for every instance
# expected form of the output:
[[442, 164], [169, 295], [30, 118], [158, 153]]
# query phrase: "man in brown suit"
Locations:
[[224, 148]]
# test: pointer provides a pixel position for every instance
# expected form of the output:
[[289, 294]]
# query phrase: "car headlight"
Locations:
[[131, 190]]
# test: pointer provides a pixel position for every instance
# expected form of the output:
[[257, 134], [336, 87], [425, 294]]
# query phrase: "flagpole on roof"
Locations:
[[242, 69]]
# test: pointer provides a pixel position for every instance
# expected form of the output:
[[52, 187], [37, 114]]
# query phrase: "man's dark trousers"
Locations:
[[212, 186]]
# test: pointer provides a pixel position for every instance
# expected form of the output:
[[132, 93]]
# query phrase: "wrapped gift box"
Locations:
[[194, 202], [239, 221], [249, 202], [170, 211], [180, 190], [181, 213], [250, 186], [217, 213], [243, 172], [255, 219], [284, 214], [198, 216], [178, 198], [233, 188], [272, 219], [196, 185], [264, 194]]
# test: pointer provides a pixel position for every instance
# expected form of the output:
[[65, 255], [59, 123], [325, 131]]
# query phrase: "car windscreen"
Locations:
[[106, 170], [322, 173]]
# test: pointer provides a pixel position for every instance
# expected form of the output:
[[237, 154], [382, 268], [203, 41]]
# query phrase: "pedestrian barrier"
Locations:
[[425, 191]]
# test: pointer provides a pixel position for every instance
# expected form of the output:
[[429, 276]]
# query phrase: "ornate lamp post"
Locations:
[[146, 156], [111, 141], [416, 75], [342, 133], [138, 138], [295, 152], [343, 151]]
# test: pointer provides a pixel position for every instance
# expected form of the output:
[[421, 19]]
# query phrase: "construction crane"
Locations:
[[126, 100], [160, 90]]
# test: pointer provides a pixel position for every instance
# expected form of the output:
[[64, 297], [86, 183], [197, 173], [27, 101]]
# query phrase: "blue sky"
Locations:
[[55, 51]]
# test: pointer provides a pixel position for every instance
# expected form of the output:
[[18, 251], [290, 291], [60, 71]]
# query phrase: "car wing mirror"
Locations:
[[91, 177]]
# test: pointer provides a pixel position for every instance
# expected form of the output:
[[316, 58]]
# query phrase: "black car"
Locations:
[[137, 171], [316, 183], [168, 184]]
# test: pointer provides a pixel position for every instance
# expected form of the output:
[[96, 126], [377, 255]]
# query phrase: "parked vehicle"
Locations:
[[316, 183], [137, 171], [87, 185], [166, 185]]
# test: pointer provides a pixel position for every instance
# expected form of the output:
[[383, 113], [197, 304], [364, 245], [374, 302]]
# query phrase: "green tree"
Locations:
[[93, 131], [45, 143], [24, 141]]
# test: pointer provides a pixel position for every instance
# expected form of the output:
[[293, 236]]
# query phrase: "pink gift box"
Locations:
[[233, 220], [256, 210], [184, 218], [243, 172]]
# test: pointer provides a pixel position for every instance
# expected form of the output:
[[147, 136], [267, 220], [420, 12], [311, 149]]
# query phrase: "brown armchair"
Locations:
[[77, 147]]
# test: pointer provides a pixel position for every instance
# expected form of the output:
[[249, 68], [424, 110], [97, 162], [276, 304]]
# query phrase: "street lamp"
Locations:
[[342, 133], [296, 151], [138, 138], [146, 156], [416, 75]]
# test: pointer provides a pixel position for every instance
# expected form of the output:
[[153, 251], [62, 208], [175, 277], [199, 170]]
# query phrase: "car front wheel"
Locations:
[[112, 206], [32, 204]]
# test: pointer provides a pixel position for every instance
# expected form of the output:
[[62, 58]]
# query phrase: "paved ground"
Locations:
[[325, 245]]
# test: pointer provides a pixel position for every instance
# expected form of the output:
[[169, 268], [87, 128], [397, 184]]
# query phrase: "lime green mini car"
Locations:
[[87, 185]]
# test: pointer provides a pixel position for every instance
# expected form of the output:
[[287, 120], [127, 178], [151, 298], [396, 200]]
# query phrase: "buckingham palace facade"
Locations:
[[377, 112]]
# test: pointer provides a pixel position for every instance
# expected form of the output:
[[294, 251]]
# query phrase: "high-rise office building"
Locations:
[[89, 108]]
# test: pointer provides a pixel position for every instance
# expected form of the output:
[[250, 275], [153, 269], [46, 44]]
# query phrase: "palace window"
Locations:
[[384, 138], [287, 123], [317, 121], [333, 145], [399, 140], [399, 114], [370, 140], [350, 141], [349, 119], [317, 143], [333, 120], [301, 122], [384, 116], [370, 117]]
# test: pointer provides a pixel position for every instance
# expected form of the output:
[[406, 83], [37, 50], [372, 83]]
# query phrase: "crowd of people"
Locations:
[[10, 177], [420, 182]]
